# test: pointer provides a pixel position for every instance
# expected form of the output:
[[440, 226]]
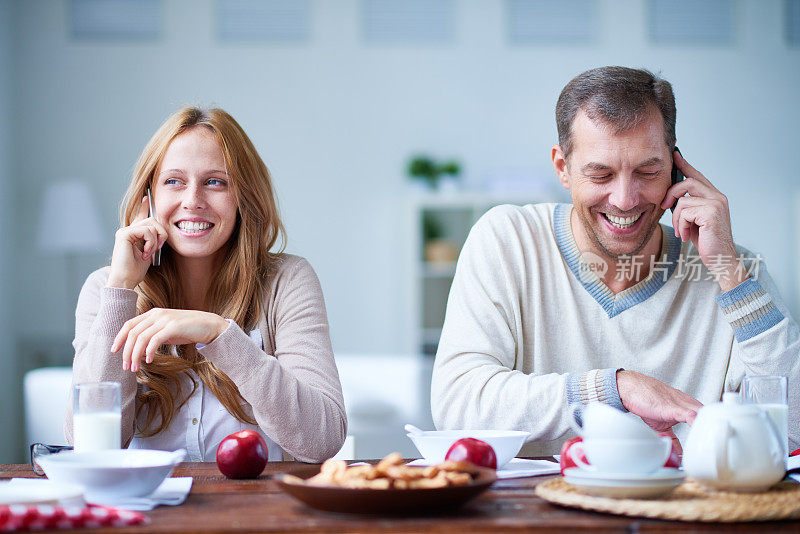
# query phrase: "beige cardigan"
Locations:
[[292, 385]]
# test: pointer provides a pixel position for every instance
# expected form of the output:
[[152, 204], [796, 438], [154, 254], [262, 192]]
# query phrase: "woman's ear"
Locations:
[[560, 165]]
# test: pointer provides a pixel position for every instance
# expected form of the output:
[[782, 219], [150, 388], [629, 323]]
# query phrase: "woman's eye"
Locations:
[[215, 181], [170, 181]]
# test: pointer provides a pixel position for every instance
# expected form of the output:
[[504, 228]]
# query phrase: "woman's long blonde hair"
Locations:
[[238, 289]]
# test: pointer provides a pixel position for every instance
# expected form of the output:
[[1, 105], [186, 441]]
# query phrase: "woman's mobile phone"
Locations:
[[157, 254]]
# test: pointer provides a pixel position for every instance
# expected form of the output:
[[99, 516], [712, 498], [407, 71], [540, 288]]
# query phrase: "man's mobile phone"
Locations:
[[676, 176]]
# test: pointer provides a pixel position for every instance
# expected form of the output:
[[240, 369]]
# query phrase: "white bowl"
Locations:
[[112, 474], [433, 444]]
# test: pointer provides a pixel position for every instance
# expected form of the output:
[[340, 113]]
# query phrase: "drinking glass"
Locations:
[[770, 393], [97, 416]]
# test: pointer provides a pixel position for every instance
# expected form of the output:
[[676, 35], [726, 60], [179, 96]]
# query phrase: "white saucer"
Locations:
[[625, 485], [664, 473], [39, 491]]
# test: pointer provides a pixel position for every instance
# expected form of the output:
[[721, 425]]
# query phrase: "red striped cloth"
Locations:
[[20, 517]]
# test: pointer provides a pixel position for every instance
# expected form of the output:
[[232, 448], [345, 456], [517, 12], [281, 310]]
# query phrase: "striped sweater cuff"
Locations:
[[749, 309], [597, 385]]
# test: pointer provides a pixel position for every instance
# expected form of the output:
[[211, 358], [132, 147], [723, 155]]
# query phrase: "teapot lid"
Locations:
[[731, 406], [731, 398]]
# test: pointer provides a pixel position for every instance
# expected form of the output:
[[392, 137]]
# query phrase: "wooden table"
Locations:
[[216, 504]]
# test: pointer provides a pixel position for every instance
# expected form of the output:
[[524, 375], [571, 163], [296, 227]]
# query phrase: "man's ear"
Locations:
[[560, 165]]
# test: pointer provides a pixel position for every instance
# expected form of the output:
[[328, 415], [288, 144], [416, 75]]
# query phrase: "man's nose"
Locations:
[[624, 193]]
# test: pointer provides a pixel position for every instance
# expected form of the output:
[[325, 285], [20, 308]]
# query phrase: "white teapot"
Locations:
[[734, 446]]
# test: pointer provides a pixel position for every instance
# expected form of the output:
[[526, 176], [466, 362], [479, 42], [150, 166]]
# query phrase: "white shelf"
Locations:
[[473, 199], [434, 269], [456, 212]]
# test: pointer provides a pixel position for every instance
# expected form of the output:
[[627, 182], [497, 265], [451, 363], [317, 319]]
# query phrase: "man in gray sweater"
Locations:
[[556, 304]]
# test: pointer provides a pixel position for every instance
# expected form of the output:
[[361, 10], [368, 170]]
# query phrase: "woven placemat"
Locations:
[[688, 502]]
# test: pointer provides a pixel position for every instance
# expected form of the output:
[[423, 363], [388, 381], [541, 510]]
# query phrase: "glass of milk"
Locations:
[[97, 416], [770, 393]]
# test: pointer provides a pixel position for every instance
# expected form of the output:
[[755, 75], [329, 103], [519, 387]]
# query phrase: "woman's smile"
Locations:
[[194, 227]]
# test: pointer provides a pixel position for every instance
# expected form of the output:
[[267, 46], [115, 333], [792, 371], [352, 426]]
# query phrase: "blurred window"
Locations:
[[551, 21], [115, 19], [691, 22], [793, 22], [408, 21], [263, 20]]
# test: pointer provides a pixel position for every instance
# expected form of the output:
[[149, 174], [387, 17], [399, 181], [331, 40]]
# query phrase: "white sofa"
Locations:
[[46, 393], [383, 392]]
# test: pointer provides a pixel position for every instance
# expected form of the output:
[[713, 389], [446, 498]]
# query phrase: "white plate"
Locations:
[[625, 486], [39, 491]]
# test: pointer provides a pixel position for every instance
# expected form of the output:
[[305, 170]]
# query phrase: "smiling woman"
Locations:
[[226, 333], [193, 198]]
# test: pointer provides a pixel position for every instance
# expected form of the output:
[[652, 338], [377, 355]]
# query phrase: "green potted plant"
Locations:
[[431, 173]]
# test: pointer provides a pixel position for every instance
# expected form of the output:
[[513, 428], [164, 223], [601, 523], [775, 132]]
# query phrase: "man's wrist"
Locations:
[[621, 376], [728, 270], [733, 277]]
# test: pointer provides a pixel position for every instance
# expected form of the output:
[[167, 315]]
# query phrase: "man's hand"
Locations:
[[704, 218], [659, 405]]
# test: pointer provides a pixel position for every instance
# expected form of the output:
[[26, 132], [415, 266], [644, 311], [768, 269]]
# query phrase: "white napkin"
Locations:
[[792, 462], [517, 468], [171, 492]]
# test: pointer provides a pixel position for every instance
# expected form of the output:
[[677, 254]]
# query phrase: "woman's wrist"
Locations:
[[220, 325], [121, 284]]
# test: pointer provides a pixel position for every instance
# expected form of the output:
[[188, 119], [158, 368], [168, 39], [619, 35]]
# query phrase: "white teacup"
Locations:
[[603, 421], [622, 456]]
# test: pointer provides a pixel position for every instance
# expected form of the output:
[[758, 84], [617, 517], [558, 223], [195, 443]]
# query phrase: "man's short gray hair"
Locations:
[[619, 96]]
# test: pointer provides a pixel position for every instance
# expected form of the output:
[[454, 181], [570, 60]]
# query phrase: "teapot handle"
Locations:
[[577, 453], [721, 433], [573, 418]]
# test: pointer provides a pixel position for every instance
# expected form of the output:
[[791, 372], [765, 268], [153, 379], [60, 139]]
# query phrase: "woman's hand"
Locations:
[[145, 333], [134, 246]]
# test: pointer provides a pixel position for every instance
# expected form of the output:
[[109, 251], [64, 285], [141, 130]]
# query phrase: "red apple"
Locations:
[[243, 454], [472, 450], [566, 461]]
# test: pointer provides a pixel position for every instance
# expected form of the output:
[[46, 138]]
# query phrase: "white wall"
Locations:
[[335, 120], [9, 399]]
